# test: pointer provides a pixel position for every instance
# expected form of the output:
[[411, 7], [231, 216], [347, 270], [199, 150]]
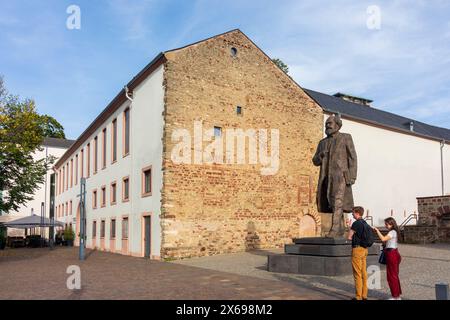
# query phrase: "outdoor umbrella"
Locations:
[[33, 221]]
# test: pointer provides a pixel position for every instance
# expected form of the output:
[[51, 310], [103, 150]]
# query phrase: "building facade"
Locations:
[[143, 201], [208, 150]]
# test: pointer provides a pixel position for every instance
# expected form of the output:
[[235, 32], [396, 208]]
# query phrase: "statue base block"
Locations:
[[318, 256]]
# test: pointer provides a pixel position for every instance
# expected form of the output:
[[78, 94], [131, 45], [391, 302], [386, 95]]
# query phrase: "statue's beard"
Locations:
[[330, 131]]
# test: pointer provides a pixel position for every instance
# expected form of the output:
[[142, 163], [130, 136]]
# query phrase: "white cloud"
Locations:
[[134, 17]]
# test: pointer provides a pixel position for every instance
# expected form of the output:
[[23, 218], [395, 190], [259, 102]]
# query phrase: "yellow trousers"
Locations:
[[359, 265]]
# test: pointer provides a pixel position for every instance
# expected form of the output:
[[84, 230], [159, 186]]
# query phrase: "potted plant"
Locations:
[[3, 234], [69, 236]]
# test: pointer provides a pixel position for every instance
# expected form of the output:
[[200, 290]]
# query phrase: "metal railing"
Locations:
[[369, 218], [407, 220]]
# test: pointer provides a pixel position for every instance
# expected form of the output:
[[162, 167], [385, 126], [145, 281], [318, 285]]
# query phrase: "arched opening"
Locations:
[[308, 226]]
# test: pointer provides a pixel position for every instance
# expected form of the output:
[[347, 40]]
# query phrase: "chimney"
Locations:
[[354, 99]]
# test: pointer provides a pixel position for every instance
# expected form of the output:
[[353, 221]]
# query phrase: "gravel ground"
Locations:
[[422, 267]]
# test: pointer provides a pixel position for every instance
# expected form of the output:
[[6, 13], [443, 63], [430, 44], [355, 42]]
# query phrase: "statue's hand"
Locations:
[[322, 155], [351, 181]]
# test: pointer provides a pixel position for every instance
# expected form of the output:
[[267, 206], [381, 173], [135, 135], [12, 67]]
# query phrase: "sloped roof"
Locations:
[[58, 143], [376, 116]]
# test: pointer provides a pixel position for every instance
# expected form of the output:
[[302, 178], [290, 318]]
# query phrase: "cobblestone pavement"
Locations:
[[422, 267], [41, 274]]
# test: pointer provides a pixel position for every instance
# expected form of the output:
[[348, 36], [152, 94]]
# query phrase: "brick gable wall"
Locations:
[[222, 208]]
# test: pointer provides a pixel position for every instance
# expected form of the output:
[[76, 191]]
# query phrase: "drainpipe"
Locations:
[[127, 95], [442, 166]]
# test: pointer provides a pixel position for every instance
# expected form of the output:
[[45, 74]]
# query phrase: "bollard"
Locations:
[[442, 292]]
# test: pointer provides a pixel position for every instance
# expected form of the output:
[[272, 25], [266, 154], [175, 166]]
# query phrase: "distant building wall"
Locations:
[[394, 169], [42, 194]]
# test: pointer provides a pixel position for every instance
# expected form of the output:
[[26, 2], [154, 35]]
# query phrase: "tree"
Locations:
[[52, 128], [281, 65], [21, 136]]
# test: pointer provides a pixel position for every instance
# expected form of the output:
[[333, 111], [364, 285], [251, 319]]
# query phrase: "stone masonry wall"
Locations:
[[221, 208], [434, 211], [433, 221]]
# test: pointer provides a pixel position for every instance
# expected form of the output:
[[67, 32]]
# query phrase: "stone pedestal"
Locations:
[[318, 256]]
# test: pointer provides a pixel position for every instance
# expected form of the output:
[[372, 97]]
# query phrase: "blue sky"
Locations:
[[73, 74]]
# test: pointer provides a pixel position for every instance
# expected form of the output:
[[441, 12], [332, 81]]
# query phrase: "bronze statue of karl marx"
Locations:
[[336, 157]]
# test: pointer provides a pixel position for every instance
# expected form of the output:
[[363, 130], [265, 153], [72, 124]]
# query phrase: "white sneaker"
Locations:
[[392, 298]]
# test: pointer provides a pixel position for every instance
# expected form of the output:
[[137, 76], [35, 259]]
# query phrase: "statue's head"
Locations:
[[333, 124]]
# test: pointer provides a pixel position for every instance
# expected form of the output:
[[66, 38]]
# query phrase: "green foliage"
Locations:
[[69, 234], [21, 136], [51, 127], [281, 65], [3, 233]]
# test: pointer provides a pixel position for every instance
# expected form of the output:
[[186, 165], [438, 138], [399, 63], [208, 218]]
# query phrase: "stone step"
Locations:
[[314, 265], [326, 250]]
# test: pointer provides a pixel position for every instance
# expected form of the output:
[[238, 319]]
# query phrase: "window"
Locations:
[[126, 189], [112, 232], [88, 160], [239, 110], [217, 131], [62, 210], [63, 177], [102, 229], [67, 209], [82, 163], [94, 229], [125, 228], [147, 181], [104, 149], [71, 173], [114, 141], [233, 52], [95, 154], [113, 193], [70, 209], [126, 132], [94, 199], [103, 197], [67, 176], [76, 169]]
